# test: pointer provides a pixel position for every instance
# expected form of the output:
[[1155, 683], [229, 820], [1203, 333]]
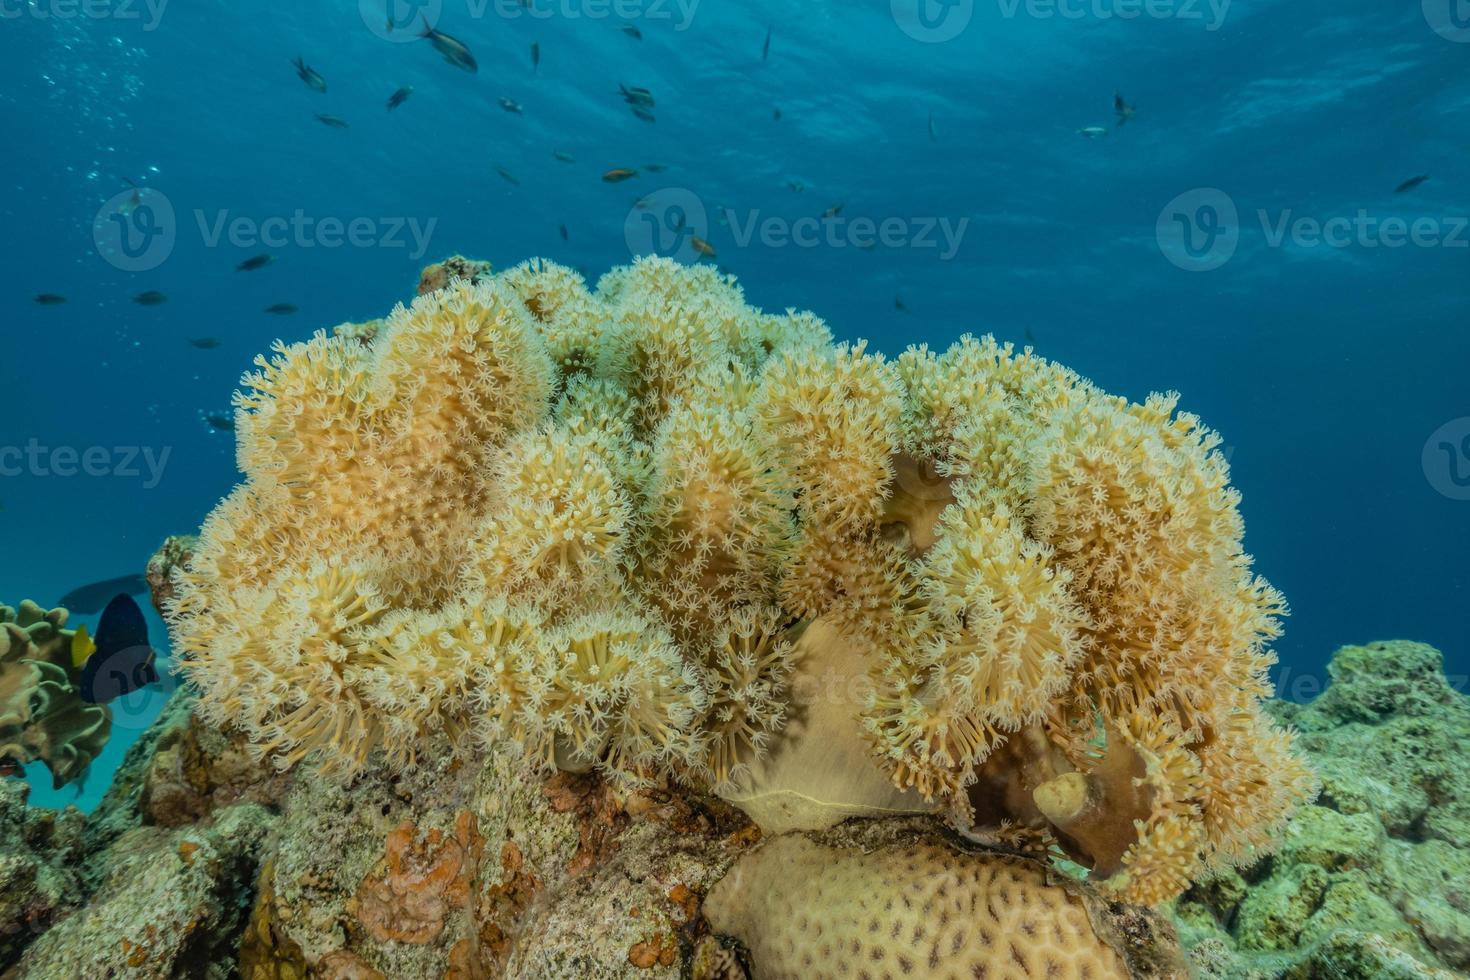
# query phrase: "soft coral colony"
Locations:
[[606, 529]]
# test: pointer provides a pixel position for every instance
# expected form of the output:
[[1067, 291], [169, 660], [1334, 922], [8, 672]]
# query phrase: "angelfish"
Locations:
[[120, 660]]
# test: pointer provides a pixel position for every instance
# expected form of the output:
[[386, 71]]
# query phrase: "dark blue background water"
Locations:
[[1325, 368]]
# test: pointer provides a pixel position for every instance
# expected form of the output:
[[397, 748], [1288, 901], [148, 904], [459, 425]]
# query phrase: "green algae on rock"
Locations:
[[1373, 880]]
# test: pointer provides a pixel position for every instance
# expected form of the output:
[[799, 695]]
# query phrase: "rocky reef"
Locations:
[[1374, 879], [203, 863]]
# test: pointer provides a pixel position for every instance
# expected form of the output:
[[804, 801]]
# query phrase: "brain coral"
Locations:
[[808, 911], [598, 526]]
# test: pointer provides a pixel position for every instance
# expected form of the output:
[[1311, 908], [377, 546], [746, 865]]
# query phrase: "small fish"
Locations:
[[635, 95], [898, 305], [618, 175], [219, 421], [121, 659], [399, 97], [255, 262], [9, 767], [510, 105], [796, 186], [933, 133], [644, 114], [134, 201], [766, 48], [1410, 184], [1030, 337], [563, 156], [85, 600], [205, 343], [632, 32], [151, 298], [563, 230], [655, 168], [1092, 132], [507, 175], [335, 122], [833, 211], [535, 57], [455, 51], [310, 75], [49, 299], [281, 309], [1124, 111], [776, 115], [701, 246]]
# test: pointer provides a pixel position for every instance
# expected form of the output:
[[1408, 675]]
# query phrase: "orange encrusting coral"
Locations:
[[592, 525]]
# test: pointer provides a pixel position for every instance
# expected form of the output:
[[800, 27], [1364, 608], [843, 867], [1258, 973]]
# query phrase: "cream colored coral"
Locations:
[[620, 529], [808, 911]]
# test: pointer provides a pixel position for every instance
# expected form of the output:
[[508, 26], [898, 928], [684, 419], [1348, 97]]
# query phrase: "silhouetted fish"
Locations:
[[766, 48], [632, 32], [455, 51], [121, 660], [399, 97], [309, 75], [88, 599], [205, 343], [563, 230], [219, 421], [507, 176], [1410, 184], [510, 105], [151, 298], [1123, 110], [255, 262], [535, 56], [281, 309], [335, 122], [49, 299]]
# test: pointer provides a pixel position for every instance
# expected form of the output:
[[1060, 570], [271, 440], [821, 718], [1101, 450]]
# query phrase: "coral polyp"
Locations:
[[608, 528]]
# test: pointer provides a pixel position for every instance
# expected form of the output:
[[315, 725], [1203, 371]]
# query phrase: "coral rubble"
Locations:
[[603, 528]]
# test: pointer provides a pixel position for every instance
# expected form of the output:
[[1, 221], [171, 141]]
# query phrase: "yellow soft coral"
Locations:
[[619, 529]]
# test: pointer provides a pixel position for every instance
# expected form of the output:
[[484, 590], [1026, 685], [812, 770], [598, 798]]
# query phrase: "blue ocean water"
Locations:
[[1239, 238]]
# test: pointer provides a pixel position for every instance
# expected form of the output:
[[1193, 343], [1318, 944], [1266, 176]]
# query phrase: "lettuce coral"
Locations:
[[42, 714], [598, 526]]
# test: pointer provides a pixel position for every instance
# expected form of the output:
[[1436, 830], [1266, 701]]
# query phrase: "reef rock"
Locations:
[[1373, 880]]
